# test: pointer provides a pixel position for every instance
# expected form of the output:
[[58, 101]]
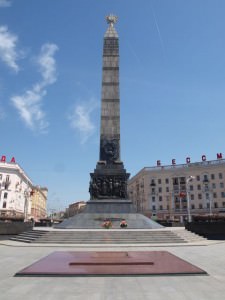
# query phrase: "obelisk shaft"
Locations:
[[110, 102], [109, 180]]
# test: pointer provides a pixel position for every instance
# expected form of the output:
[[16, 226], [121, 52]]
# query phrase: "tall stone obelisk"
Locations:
[[109, 180], [110, 110], [108, 184]]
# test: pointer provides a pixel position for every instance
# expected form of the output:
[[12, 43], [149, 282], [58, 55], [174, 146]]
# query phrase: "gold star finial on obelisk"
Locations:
[[111, 19]]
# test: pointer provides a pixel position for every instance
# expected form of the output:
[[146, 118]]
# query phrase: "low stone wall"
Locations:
[[15, 227], [170, 223], [210, 230]]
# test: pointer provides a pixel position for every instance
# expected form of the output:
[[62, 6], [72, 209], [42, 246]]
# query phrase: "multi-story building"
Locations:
[[180, 191], [15, 190], [39, 203], [76, 208]]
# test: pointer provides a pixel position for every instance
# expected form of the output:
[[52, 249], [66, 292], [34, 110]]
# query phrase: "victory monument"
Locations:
[[108, 185], [108, 182]]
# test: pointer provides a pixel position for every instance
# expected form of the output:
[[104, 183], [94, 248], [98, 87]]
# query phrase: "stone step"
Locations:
[[28, 236], [108, 237], [190, 236], [111, 242]]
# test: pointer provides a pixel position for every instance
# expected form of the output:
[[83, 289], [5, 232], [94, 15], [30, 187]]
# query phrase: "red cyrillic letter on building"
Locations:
[[188, 160], [13, 160], [3, 159], [219, 155]]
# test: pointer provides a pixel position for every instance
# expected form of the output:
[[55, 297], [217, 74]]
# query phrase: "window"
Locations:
[[175, 181], [207, 205], [160, 190], [212, 176], [205, 178], [214, 195], [182, 180], [183, 187], [214, 186], [153, 207], [199, 196], [5, 195], [153, 199], [206, 187], [192, 197], [159, 181], [4, 204], [191, 188], [0, 176], [215, 205], [160, 198], [223, 194], [192, 206], [161, 207], [152, 182], [220, 176], [167, 189], [153, 190], [198, 178], [223, 204], [200, 206], [207, 196], [221, 185], [167, 180], [199, 187]]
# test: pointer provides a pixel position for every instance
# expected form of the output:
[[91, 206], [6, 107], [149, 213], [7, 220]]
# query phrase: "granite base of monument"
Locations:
[[97, 212]]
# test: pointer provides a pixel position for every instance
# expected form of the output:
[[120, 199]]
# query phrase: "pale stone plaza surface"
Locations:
[[207, 255]]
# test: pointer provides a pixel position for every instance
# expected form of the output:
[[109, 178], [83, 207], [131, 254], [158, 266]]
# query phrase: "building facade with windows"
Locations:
[[39, 203], [173, 192], [76, 208], [15, 190]]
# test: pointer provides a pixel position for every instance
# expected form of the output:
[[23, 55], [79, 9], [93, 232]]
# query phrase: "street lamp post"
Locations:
[[189, 179], [208, 193]]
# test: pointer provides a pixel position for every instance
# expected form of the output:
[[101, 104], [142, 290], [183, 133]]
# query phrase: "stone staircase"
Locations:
[[189, 236], [28, 236], [105, 237]]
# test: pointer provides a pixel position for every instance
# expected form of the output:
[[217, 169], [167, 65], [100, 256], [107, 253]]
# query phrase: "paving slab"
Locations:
[[210, 258]]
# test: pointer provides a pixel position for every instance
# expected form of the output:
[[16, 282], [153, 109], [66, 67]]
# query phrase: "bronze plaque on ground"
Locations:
[[90, 263]]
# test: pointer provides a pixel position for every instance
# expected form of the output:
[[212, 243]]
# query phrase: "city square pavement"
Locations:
[[208, 256]]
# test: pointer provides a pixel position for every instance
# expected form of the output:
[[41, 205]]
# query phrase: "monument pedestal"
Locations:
[[115, 210], [95, 220], [110, 206]]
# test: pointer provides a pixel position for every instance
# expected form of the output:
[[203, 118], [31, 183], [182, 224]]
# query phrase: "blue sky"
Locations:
[[172, 86]]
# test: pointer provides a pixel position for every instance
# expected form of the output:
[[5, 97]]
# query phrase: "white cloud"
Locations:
[[5, 3], [29, 105], [8, 51], [80, 119], [29, 108], [47, 63]]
